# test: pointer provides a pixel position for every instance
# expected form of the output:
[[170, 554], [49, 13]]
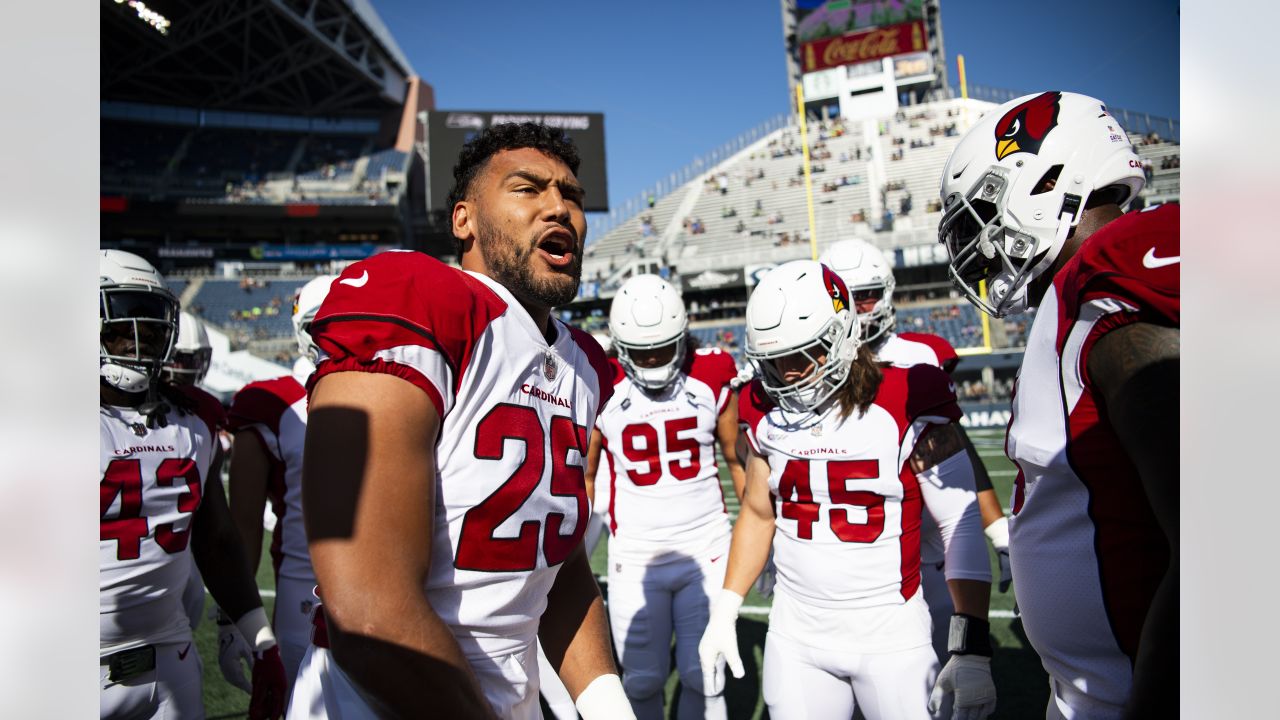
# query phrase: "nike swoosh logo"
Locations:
[[1151, 261], [356, 282], [182, 654], [716, 558]]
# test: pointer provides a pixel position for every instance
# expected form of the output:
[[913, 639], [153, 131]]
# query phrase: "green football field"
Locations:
[[1020, 681]]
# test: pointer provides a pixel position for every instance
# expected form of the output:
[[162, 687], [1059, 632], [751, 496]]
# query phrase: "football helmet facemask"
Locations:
[[1003, 221], [192, 353], [648, 314], [866, 273], [802, 307], [306, 303], [137, 321]]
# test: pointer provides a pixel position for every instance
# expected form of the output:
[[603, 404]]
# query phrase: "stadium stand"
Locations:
[[874, 178]]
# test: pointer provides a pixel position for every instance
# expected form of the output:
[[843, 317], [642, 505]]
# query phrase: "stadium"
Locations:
[[248, 147]]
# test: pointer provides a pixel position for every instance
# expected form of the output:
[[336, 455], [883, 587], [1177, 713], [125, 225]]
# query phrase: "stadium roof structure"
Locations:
[[314, 57]]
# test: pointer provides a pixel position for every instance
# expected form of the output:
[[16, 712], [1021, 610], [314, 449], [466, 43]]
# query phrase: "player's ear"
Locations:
[[463, 222]]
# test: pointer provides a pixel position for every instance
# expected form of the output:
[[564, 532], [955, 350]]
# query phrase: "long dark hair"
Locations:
[[860, 387]]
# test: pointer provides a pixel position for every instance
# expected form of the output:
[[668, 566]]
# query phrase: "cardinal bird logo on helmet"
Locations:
[[1024, 128], [835, 288]]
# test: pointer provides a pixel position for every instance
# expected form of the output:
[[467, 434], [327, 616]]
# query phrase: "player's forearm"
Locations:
[[574, 630], [970, 597], [736, 474], [220, 556], [989, 506], [401, 655], [748, 551]]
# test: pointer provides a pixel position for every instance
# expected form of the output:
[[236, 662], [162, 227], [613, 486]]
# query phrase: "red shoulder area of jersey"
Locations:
[[208, 408], [911, 392], [264, 402], [599, 362], [395, 299], [943, 349], [711, 366], [753, 404], [1136, 259], [619, 374]]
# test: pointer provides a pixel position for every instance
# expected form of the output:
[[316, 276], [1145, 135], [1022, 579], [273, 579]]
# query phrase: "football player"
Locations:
[[667, 517], [867, 275], [269, 420], [1033, 199], [443, 487], [161, 506], [844, 451]]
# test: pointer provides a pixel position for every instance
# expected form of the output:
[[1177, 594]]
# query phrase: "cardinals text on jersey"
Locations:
[[515, 412], [1084, 542]]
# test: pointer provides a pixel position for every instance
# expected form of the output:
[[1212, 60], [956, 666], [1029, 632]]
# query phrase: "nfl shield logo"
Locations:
[[549, 365], [138, 429]]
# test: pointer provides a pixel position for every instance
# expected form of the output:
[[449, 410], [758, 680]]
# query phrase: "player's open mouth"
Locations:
[[557, 247]]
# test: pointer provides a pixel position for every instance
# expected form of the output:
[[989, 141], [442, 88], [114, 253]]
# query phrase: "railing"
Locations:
[[632, 206]]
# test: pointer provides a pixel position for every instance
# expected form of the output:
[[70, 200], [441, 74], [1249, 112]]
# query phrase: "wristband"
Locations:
[[998, 533], [256, 630], [969, 635], [604, 699]]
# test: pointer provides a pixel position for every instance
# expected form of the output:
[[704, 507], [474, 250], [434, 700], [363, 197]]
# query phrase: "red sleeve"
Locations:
[[918, 391], [381, 313], [615, 367], [715, 368], [753, 404], [1135, 259], [207, 407], [947, 357], [264, 403], [599, 362]]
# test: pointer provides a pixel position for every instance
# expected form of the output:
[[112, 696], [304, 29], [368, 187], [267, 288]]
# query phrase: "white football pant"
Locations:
[[322, 691], [648, 602], [171, 690]]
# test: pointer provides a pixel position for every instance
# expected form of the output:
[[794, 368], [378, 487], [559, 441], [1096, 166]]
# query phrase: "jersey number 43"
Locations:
[[128, 526]]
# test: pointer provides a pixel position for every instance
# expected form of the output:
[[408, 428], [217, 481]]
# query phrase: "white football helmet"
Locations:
[[866, 272], [137, 321], [1000, 223], [646, 314], [802, 307], [306, 303], [188, 363]]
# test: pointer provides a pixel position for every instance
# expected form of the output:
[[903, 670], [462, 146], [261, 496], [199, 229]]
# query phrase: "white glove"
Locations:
[[998, 533], [720, 643], [768, 577], [968, 679], [604, 699], [231, 650]]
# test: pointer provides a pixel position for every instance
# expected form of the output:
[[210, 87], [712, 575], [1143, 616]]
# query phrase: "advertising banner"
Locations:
[[863, 46]]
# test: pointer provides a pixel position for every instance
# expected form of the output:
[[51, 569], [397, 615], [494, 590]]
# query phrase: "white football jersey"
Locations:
[[276, 410], [515, 413], [152, 481], [1084, 544], [905, 350], [664, 485], [847, 503]]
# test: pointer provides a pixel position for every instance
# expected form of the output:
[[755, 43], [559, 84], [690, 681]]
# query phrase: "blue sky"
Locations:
[[676, 79]]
